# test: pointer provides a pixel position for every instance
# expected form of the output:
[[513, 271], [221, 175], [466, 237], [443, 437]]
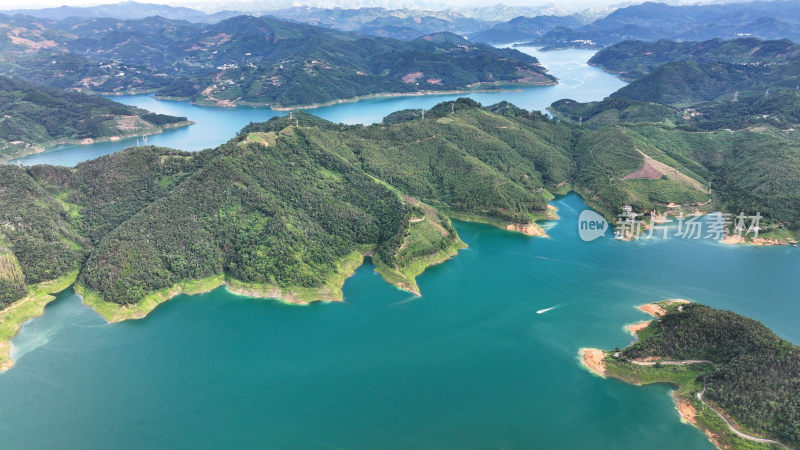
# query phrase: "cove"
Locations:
[[470, 364], [214, 126]]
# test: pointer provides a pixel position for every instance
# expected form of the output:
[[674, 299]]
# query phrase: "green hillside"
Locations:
[[634, 59], [34, 117], [750, 373], [287, 207]]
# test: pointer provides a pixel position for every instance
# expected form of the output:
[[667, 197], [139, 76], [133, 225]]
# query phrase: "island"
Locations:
[[734, 378]]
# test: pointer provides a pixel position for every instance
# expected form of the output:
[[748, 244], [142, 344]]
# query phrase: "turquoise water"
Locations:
[[214, 126], [470, 364]]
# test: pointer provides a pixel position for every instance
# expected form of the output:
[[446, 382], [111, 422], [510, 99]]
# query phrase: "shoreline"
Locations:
[[513, 87], [635, 328], [656, 310], [331, 292], [29, 307], [528, 229], [44, 147], [757, 242], [593, 359]]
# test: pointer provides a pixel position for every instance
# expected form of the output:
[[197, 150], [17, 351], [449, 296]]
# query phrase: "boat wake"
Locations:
[[542, 311]]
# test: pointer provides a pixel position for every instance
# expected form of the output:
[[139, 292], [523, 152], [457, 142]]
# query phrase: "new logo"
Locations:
[[591, 225]]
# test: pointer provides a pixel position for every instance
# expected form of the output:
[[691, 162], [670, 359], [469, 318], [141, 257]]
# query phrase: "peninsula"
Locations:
[[735, 379], [33, 118]]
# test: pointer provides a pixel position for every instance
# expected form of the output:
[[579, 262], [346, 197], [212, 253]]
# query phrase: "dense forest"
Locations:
[[287, 202], [33, 117], [754, 375], [247, 60]]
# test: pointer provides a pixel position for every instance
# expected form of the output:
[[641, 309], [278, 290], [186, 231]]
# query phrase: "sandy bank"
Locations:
[[529, 229], [685, 409], [635, 328], [655, 309], [593, 358], [758, 242]]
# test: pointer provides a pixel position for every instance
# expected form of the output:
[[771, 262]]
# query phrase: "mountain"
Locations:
[[707, 85], [503, 13], [35, 117], [634, 59], [254, 60], [403, 24], [124, 10], [289, 206], [688, 82], [654, 21], [524, 28]]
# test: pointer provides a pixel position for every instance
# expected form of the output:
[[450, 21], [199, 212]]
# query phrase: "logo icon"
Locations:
[[591, 225]]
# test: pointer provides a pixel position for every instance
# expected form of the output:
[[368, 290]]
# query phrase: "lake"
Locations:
[[469, 364], [214, 125]]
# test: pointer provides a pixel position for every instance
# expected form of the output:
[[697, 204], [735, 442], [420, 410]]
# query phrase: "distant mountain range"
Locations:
[[124, 10], [524, 28], [395, 23], [399, 23], [552, 27], [653, 21], [249, 60]]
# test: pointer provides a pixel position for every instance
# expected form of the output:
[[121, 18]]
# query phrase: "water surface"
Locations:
[[470, 364], [214, 126]]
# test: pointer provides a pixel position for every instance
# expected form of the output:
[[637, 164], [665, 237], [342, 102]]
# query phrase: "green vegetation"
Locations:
[[750, 374], [114, 312], [253, 60], [635, 59], [289, 207], [33, 117]]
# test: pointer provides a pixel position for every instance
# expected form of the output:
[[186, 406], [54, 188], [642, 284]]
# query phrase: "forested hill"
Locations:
[[249, 60], [687, 73], [711, 85], [33, 117], [635, 59], [288, 206], [753, 375]]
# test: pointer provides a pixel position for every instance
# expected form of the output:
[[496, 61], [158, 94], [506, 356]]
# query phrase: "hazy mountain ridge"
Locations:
[[653, 21]]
